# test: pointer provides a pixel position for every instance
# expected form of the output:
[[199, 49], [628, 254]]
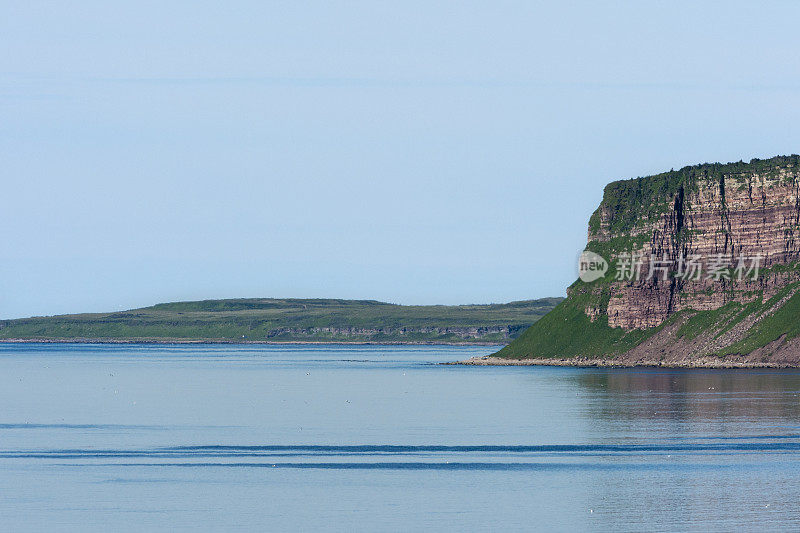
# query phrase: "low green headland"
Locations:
[[290, 320]]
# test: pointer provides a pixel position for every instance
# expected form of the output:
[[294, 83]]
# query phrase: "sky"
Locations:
[[411, 152]]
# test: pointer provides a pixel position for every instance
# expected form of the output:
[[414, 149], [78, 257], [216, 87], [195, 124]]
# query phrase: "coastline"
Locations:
[[704, 362], [487, 360]]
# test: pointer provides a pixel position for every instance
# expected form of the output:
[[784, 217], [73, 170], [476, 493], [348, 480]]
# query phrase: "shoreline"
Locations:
[[80, 340], [486, 360], [704, 362]]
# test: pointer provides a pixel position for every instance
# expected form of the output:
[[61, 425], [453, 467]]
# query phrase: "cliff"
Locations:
[[702, 269]]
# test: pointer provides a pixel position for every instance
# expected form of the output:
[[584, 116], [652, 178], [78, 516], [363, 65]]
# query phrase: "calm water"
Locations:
[[382, 438]]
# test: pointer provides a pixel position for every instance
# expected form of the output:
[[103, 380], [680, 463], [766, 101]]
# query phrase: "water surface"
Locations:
[[166, 437]]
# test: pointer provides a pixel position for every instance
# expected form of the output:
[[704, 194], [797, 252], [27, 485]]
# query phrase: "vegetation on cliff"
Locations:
[[287, 320], [639, 199], [568, 332]]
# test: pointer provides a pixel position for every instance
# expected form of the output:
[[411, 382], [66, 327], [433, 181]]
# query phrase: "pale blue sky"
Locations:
[[413, 152]]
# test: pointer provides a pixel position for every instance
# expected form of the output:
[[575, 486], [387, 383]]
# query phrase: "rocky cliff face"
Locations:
[[722, 213], [355, 334], [706, 254]]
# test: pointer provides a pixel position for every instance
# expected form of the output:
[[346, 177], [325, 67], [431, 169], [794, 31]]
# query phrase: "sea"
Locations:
[[104, 437]]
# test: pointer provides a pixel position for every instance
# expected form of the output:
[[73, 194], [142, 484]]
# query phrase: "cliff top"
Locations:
[[628, 202]]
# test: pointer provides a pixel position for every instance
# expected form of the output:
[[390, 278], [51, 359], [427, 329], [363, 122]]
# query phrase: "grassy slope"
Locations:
[[264, 319], [783, 322], [567, 332]]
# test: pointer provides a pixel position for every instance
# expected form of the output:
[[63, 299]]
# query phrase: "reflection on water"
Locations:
[[763, 398], [383, 438], [681, 382]]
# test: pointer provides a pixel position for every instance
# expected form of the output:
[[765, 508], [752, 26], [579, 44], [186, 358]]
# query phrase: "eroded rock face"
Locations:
[[368, 334], [715, 212]]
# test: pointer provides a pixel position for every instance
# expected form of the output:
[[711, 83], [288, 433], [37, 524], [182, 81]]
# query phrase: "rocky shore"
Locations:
[[705, 362]]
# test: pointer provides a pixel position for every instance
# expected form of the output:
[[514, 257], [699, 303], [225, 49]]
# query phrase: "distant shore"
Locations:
[[705, 362], [288, 321], [230, 341]]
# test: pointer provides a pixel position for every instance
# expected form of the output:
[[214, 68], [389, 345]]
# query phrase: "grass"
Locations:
[[770, 328], [705, 321], [783, 322], [633, 202], [268, 319], [567, 332]]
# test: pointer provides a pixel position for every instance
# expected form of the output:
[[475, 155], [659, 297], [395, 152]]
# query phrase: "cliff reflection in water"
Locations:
[[766, 398]]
